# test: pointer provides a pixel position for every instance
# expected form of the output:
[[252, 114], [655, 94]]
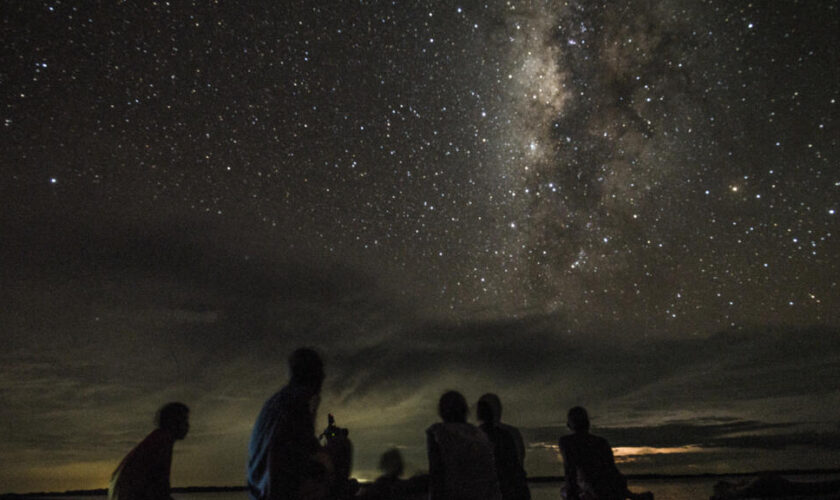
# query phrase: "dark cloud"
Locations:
[[672, 434], [825, 440], [760, 362], [222, 347]]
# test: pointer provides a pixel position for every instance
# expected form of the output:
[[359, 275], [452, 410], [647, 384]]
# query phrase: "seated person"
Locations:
[[388, 486], [496, 407], [513, 481], [589, 464]]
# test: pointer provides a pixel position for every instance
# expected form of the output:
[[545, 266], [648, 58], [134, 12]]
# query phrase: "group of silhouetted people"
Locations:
[[469, 462], [287, 461]]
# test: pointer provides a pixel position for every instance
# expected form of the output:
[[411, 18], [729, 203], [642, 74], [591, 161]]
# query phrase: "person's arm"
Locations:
[[152, 470], [520, 445], [282, 480], [291, 452], [619, 477], [167, 472], [436, 472], [569, 472], [506, 454]]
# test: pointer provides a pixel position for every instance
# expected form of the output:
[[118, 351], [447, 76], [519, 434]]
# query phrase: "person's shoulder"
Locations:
[[599, 443], [576, 441], [510, 428], [283, 392], [276, 399], [504, 439], [298, 393], [496, 431], [158, 437], [468, 429], [276, 405], [156, 443], [598, 439], [457, 430], [292, 394], [438, 427], [568, 438]]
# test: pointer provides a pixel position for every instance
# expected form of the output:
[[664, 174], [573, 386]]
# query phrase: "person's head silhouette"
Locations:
[[391, 463], [577, 420], [174, 418], [306, 368], [489, 408], [452, 407]]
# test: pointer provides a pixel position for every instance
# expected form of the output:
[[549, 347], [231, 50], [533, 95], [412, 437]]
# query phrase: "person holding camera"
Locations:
[[285, 461]]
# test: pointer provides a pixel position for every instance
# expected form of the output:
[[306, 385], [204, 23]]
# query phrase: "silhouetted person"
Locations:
[[388, 486], [461, 464], [496, 405], [512, 479], [590, 470], [391, 464], [144, 473], [285, 461]]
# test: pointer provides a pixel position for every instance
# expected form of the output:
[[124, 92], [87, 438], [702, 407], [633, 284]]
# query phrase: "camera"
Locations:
[[333, 432]]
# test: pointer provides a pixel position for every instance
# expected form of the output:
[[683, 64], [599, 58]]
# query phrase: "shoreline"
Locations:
[[532, 480]]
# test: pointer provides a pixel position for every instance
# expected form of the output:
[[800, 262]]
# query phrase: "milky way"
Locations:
[[667, 166]]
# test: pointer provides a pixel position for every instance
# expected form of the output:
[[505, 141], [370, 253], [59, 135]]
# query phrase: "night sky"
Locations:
[[626, 205]]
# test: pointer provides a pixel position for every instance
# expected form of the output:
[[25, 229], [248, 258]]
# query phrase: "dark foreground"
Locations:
[[665, 487]]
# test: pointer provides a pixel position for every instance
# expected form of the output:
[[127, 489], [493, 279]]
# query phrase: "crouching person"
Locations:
[[144, 473]]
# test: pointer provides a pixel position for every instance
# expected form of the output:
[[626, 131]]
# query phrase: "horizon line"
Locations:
[[534, 479]]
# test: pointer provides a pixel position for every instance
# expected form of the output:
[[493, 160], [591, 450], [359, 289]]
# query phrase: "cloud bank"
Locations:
[[108, 334]]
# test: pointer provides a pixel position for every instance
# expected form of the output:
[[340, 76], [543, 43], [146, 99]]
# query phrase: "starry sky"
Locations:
[[626, 205]]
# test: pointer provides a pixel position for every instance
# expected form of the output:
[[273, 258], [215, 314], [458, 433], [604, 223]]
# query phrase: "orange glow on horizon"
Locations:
[[82, 475], [626, 454]]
